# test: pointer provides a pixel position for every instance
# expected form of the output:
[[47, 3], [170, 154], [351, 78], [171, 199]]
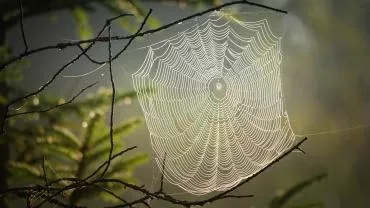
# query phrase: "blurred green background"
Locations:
[[325, 74]]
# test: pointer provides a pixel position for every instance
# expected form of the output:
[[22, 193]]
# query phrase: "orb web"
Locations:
[[217, 114]]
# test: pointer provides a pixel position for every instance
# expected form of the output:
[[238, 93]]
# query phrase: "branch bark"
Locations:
[[93, 179], [61, 46]]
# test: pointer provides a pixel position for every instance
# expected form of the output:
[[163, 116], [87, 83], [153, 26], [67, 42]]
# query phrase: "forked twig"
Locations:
[[163, 172], [61, 46], [22, 26], [226, 194], [53, 107], [80, 183], [112, 80], [95, 179]]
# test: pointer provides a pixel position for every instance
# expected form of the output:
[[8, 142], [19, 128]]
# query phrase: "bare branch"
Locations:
[[112, 79], [236, 196], [280, 200], [60, 46], [60, 204], [138, 201], [111, 139], [89, 58], [56, 106], [112, 194], [108, 22], [106, 162], [45, 85], [53, 78], [262, 170], [184, 203], [146, 204], [80, 183], [22, 26], [163, 172], [95, 179], [301, 150]]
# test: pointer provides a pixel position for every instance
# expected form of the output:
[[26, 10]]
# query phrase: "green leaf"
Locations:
[[281, 199], [58, 151], [24, 170], [67, 136], [83, 27]]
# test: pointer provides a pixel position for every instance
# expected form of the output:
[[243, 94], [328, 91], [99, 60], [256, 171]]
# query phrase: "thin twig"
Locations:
[[109, 21], [79, 182], [138, 201], [262, 170], [60, 46], [53, 78], [39, 188], [89, 58], [147, 194], [106, 162], [146, 204], [119, 17], [68, 64], [92, 174], [111, 139], [25, 189], [132, 37], [60, 204], [280, 200], [22, 26], [217, 197], [111, 193], [163, 172], [56, 106], [236, 196], [112, 80], [301, 150]]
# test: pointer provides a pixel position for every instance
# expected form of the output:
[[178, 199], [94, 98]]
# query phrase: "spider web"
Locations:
[[217, 113]]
